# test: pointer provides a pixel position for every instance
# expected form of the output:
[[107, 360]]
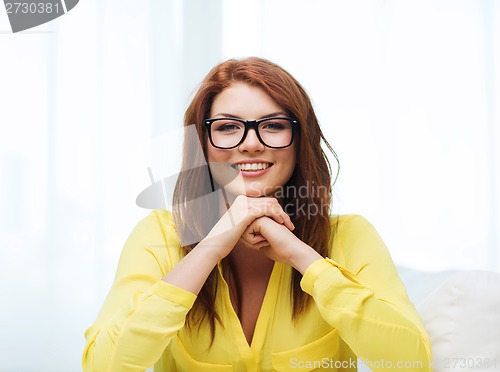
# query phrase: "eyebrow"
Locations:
[[273, 114]]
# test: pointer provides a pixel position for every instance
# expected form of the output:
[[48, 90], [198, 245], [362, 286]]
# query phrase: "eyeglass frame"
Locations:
[[251, 124]]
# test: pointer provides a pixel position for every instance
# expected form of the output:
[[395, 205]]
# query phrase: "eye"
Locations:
[[227, 126], [275, 125]]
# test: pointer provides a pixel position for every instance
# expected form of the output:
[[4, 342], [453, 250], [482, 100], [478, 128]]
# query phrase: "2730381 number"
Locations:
[[32, 8], [463, 363]]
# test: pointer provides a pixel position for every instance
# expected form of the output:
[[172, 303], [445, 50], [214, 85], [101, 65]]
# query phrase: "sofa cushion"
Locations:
[[462, 317]]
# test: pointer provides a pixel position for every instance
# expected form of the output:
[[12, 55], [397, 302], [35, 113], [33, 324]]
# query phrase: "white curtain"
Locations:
[[407, 94], [406, 91]]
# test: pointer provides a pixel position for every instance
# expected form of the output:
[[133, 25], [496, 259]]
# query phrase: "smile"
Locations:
[[252, 166]]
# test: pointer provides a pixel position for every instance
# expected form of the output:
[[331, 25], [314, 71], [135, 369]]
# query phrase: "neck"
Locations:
[[249, 262]]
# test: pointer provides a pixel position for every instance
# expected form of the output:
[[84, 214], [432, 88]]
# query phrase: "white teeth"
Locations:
[[253, 166]]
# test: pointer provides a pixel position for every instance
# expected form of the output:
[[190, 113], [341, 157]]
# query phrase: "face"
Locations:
[[274, 166]]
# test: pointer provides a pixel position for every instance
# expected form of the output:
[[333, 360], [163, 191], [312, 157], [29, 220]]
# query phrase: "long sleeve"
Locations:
[[365, 300], [141, 313]]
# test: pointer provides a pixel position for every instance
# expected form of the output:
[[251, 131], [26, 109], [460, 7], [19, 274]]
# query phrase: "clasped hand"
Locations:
[[256, 223]]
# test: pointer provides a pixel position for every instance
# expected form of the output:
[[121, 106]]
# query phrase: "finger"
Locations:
[[257, 238], [284, 219], [251, 237], [279, 215], [288, 222], [270, 207], [276, 212], [252, 243]]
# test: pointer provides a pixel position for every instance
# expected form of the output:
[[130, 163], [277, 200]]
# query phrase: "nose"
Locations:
[[251, 142]]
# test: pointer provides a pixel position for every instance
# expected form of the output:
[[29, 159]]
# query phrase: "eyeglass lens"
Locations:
[[275, 132]]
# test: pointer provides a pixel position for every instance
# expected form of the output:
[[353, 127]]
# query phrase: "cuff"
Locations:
[[172, 293], [312, 273]]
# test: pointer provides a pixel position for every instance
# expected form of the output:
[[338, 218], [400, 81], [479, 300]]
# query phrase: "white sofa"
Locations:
[[461, 312]]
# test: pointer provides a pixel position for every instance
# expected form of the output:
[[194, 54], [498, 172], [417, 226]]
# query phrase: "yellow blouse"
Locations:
[[360, 310]]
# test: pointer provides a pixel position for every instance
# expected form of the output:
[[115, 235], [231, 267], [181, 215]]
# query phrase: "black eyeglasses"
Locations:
[[228, 133]]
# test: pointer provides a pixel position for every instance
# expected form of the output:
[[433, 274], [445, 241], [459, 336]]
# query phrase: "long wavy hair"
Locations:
[[193, 215]]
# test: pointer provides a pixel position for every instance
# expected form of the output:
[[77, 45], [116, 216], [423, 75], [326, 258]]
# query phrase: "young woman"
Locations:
[[249, 272]]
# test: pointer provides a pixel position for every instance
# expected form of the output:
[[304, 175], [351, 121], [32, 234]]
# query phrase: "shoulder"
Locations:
[[163, 218], [159, 220], [156, 234], [353, 235], [349, 224]]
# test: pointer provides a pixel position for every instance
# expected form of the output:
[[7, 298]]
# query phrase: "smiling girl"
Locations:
[[257, 288]]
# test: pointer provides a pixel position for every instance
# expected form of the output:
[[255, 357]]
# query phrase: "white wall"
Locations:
[[407, 94]]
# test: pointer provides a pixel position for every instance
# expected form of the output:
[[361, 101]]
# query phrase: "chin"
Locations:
[[253, 194], [249, 193], [257, 190]]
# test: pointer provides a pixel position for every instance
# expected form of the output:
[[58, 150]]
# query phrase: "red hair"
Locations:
[[312, 173]]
